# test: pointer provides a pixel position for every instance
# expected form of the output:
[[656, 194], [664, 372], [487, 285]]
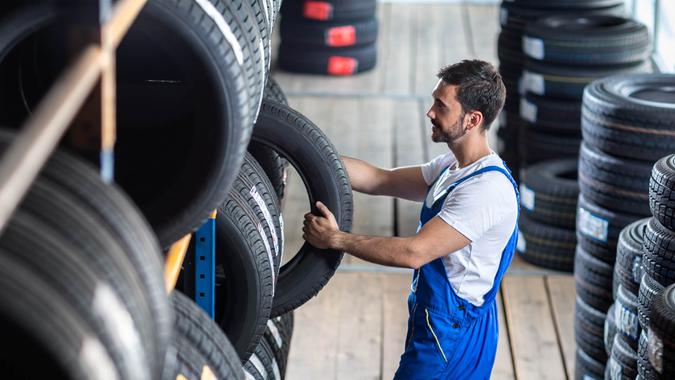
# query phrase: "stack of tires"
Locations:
[[514, 16], [81, 291], [628, 123], [82, 253], [548, 200], [656, 299], [564, 53], [329, 37]]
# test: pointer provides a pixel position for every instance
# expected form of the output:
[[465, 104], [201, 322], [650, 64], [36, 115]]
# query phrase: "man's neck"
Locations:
[[470, 150]]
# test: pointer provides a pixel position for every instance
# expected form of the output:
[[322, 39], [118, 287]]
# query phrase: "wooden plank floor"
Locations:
[[355, 328]]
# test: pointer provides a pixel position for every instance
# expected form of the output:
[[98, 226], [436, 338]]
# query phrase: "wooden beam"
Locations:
[[124, 14], [41, 133], [174, 262]]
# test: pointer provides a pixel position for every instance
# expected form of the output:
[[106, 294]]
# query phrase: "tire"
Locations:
[[627, 269], [546, 246], [516, 15], [658, 257], [551, 115], [113, 210], [262, 365], [278, 336], [96, 302], [568, 82], [244, 272], [585, 367], [549, 192], [649, 289], [662, 330], [329, 10], [622, 364], [54, 342], [200, 343], [273, 164], [614, 183], [541, 146], [627, 317], [661, 195], [97, 249], [335, 62], [627, 123], [175, 184], [318, 34], [645, 368], [586, 40], [593, 281], [318, 164], [589, 326], [274, 92], [610, 330]]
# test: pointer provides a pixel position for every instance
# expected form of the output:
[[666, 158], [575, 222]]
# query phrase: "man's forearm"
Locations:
[[363, 176], [390, 251]]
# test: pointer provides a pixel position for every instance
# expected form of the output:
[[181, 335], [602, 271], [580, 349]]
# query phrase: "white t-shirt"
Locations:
[[485, 210]]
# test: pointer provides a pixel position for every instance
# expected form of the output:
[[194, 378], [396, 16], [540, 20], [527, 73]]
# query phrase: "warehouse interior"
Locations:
[[160, 158]]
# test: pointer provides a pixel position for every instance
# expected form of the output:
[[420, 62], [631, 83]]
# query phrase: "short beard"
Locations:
[[455, 133]]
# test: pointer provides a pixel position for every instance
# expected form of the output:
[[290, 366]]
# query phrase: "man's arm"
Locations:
[[435, 239], [405, 182]]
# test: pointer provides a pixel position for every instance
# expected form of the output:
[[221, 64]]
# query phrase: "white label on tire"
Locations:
[[275, 369], [626, 320], [635, 269], [503, 16], [275, 333], [655, 350], [263, 236], [521, 245], [614, 369], [268, 218], [108, 307], [258, 365], [95, 361], [592, 226], [526, 197], [218, 18], [533, 47], [533, 82], [248, 376], [528, 111]]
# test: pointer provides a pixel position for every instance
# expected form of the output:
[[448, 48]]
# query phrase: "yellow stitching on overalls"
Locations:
[[434, 334], [412, 325]]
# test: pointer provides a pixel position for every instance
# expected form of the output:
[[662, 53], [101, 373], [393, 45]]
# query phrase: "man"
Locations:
[[467, 233]]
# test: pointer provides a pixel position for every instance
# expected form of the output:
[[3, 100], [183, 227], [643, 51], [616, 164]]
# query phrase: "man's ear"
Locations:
[[475, 120]]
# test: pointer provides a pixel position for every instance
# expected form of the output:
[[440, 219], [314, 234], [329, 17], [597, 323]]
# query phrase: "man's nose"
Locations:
[[430, 113]]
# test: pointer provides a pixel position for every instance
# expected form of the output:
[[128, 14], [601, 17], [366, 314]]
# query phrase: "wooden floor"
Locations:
[[356, 326]]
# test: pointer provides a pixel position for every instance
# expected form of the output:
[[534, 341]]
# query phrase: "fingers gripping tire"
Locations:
[[317, 162]]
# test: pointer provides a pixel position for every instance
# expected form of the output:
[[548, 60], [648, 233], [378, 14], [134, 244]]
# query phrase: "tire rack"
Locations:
[[83, 99]]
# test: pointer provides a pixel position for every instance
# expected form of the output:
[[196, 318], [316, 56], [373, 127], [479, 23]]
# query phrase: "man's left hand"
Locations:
[[319, 230]]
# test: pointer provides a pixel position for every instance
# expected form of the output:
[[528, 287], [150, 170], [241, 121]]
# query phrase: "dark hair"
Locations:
[[480, 87]]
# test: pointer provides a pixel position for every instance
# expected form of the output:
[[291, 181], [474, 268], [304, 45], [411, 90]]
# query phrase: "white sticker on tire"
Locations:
[[626, 320], [521, 245], [263, 237], [275, 369], [614, 369], [528, 111], [218, 18], [533, 47], [275, 333], [95, 361], [258, 365], [592, 225], [533, 82], [267, 216], [526, 197]]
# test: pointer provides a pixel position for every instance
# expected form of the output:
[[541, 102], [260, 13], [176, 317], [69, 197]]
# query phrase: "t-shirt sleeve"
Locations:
[[433, 168], [479, 205]]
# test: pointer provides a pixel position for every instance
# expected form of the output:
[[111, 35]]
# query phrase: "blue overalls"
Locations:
[[448, 337]]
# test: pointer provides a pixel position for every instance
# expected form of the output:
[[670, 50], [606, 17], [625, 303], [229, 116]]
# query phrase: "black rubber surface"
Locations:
[[593, 281], [627, 270], [547, 246], [589, 325], [549, 192], [662, 334], [317, 162], [335, 62], [661, 191], [631, 116], [327, 10], [329, 34], [649, 289], [659, 253]]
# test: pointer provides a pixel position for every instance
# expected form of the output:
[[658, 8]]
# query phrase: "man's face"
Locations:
[[445, 114]]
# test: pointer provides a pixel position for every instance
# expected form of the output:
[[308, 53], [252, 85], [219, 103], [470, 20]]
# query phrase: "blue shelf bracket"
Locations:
[[205, 265]]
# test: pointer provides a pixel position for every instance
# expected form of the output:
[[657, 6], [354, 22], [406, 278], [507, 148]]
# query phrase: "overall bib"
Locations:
[[448, 337]]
